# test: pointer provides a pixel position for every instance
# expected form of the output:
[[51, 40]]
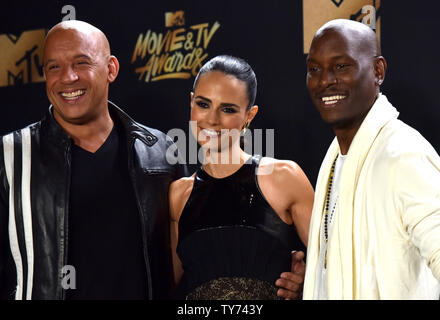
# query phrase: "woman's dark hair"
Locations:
[[236, 67]]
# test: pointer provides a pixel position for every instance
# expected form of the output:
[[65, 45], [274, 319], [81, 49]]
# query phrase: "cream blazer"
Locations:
[[385, 241]]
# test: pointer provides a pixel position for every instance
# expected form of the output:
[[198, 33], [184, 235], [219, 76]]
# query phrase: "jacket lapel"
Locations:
[[345, 239]]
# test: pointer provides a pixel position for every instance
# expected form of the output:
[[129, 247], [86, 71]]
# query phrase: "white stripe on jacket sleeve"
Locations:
[[8, 145], [26, 205]]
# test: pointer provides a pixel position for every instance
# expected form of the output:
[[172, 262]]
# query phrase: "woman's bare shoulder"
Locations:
[[279, 169]]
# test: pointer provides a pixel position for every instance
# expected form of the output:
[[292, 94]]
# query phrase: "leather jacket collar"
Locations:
[[56, 134]]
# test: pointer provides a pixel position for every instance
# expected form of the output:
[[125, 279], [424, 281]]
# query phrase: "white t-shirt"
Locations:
[[321, 290]]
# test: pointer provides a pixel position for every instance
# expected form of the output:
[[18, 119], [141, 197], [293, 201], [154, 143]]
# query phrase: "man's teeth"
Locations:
[[332, 99], [73, 95]]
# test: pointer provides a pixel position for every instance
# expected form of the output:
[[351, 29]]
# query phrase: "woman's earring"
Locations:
[[246, 126]]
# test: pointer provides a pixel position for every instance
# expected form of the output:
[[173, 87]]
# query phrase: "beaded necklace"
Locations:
[[327, 205]]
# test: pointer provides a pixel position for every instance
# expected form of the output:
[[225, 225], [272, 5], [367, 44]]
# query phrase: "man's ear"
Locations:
[[380, 67], [113, 68]]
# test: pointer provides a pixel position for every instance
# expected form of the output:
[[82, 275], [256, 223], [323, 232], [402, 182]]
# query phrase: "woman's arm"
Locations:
[[288, 191], [179, 193]]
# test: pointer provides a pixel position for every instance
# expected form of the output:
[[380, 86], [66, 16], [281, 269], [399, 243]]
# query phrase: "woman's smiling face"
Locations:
[[219, 103]]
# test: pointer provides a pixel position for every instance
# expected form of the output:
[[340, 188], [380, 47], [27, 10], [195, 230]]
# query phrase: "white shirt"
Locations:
[[321, 289]]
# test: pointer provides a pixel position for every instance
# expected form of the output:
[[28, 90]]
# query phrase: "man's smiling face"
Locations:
[[77, 75], [341, 77]]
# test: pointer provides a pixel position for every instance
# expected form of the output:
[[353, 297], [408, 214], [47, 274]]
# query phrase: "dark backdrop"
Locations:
[[269, 35]]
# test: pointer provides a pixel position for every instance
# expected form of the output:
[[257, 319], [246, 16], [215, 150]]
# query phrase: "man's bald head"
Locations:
[[358, 33], [83, 29]]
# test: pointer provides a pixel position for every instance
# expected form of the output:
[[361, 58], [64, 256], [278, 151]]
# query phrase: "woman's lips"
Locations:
[[210, 133]]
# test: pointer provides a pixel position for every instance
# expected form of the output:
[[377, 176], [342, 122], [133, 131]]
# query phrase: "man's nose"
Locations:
[[327, 78], [69, 75]]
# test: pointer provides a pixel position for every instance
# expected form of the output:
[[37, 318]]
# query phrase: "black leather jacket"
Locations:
[[38, 233]]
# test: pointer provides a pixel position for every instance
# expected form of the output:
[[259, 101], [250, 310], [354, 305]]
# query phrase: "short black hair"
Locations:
[[236, 67]]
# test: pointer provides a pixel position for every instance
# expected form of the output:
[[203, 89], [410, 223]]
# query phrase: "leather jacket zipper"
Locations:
[[67, 157]]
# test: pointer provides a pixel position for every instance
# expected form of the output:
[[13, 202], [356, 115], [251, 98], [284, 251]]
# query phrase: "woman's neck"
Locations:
[[225, 163]]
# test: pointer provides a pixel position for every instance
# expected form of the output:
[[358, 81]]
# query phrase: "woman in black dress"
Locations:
[[236, 220]]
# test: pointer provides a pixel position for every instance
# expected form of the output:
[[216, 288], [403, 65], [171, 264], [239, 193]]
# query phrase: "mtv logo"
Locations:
[[174, 19], [318, 12], [21, 57]]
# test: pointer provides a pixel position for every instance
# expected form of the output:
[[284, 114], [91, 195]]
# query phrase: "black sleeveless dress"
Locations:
[[232, 244]]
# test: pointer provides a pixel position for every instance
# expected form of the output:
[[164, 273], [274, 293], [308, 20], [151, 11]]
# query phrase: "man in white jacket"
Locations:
[[375, 228]]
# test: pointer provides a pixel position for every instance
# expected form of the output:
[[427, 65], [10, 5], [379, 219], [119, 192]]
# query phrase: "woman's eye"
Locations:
[[229, 110], [202, 104]]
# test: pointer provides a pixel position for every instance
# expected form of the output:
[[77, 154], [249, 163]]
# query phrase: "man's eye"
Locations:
[[52, 67], [313, 69], [82, 62], [341, 66]]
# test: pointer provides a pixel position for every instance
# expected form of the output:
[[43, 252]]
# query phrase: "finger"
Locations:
[[288, 295], [298, 265], [297, 256], [289, 285], [300, 269], [293, 277]]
